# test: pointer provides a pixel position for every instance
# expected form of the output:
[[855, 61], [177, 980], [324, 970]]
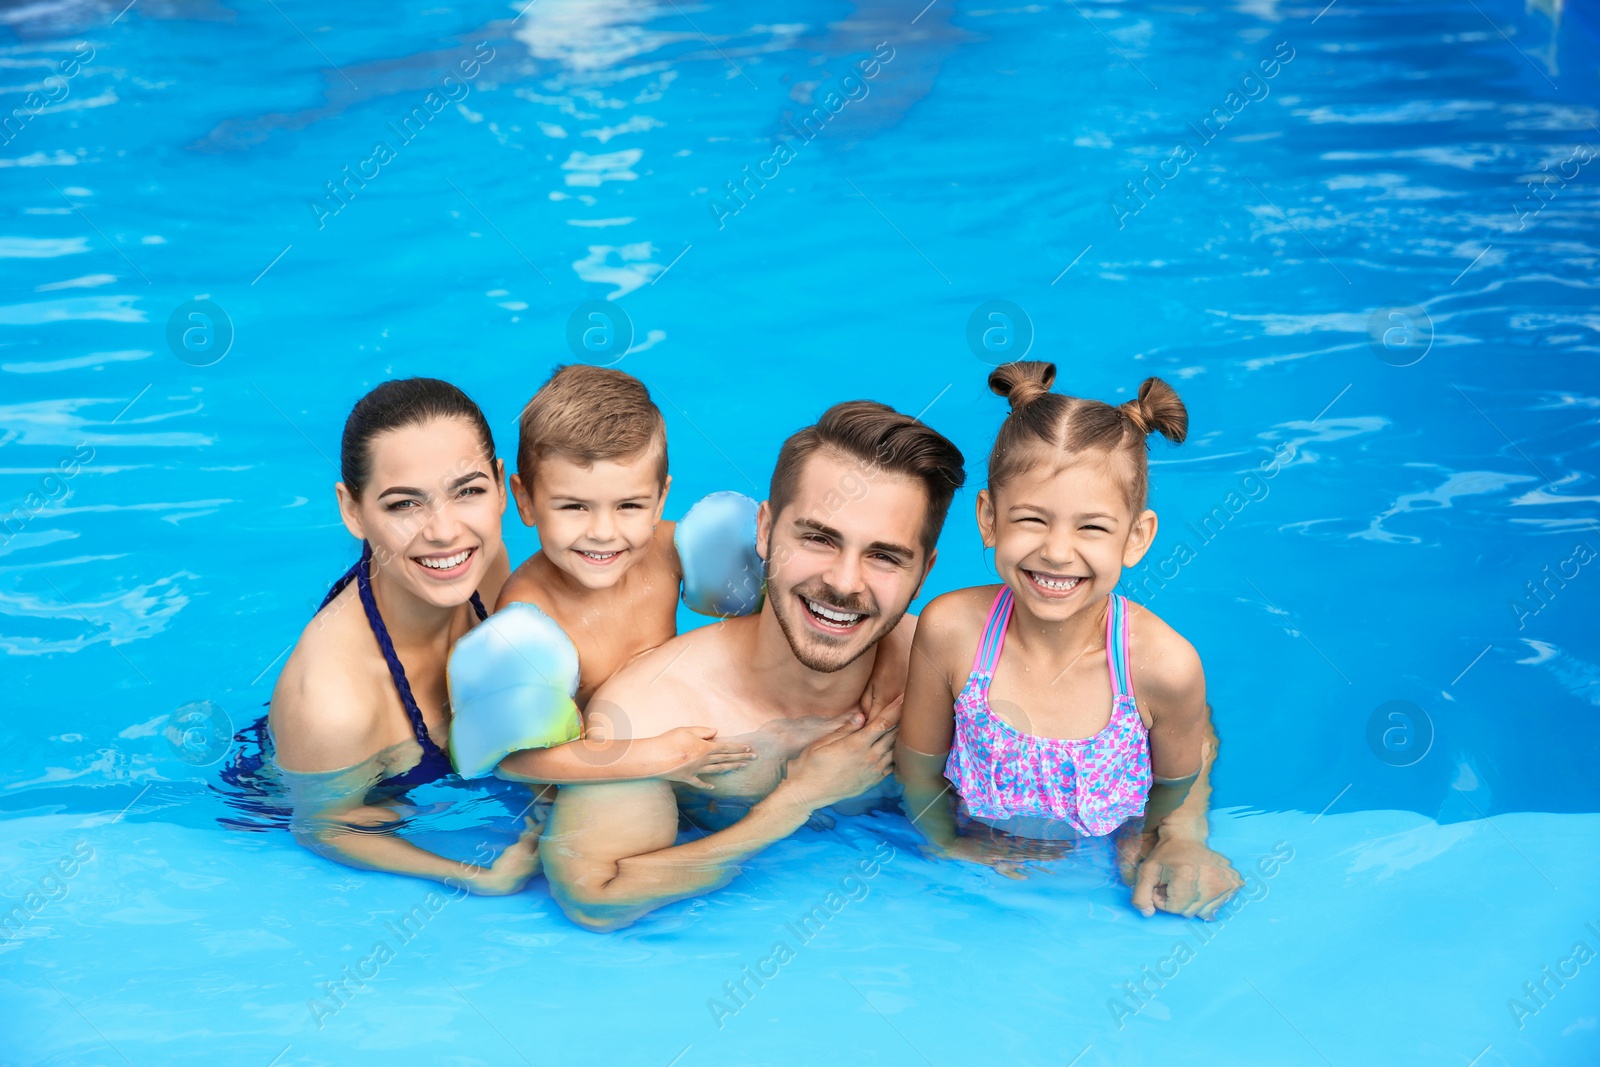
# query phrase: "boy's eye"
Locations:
[[1102, 529], [570, 507]]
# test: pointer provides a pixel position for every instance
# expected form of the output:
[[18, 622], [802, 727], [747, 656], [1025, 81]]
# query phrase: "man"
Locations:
[[848, 534]]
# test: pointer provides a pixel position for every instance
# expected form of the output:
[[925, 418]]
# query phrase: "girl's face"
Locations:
[[1061, 536], [431, 509]]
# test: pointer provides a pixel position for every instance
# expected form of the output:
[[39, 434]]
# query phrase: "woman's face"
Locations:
[[431, 509]]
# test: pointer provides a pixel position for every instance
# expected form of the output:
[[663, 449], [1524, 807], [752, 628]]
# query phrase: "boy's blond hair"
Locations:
[[585, 414]]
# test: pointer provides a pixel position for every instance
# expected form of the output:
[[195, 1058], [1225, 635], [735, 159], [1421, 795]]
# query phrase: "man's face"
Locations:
[[844, 558]]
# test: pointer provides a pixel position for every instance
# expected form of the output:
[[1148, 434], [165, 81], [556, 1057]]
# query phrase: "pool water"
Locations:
[[1360, 240]]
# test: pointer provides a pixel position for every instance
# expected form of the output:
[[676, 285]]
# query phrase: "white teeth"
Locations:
[[444, 563], [1059, 585], [598, 556], [842, 618]]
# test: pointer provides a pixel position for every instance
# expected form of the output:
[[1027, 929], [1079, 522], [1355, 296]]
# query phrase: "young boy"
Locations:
[[592, 479]]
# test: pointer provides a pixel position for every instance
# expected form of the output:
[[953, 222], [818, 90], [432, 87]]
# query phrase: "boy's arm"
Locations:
[[679, 755]]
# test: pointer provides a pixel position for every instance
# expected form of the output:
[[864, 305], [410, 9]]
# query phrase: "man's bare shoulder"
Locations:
[[666, 687]]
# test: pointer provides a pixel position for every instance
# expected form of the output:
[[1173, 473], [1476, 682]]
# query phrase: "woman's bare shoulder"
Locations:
[[329, 700]]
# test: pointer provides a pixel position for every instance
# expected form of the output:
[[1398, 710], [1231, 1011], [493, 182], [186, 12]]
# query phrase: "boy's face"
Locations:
[[594, 521]]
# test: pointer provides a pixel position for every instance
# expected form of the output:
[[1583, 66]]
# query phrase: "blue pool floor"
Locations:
[[1385, 938]]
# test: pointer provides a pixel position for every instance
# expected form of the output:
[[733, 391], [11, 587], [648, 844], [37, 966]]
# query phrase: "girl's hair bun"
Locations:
[[1024, 382], [1156, 409]]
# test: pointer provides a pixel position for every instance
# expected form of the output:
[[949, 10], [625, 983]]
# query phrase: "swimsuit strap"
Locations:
[[366, 556], [994, 634], [402, 685], [348, 576], [1117, 648]]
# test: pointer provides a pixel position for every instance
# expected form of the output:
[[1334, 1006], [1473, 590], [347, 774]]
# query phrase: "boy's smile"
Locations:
[[595, 521]]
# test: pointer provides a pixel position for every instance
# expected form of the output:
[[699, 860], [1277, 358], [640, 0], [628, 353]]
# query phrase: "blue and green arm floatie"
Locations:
[[512, 679], [722, 574], [514, 676]]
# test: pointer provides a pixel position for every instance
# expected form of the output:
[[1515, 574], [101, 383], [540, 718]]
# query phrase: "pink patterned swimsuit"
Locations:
[[1094, 784]]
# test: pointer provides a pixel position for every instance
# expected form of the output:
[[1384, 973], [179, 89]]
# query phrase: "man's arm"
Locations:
[[609, 852]]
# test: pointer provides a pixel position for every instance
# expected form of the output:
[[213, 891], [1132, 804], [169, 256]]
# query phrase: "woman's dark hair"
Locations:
[[1044, 426], [393, 405]]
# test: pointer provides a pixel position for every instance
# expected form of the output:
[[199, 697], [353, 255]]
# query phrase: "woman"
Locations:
[[360, 713]]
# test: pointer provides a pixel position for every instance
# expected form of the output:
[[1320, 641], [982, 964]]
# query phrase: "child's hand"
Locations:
[[1005, 855], [1181, 876], [689, 752]]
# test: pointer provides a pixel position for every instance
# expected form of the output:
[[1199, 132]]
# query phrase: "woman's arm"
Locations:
[[361, 835], [327, 749]]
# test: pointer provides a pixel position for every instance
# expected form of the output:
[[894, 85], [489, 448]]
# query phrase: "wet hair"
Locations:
[[397, 404], [586, 413], [881, 439], [1043, 425]]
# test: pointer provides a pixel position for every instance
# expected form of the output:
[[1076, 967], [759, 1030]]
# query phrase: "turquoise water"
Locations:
[[1370, 274]]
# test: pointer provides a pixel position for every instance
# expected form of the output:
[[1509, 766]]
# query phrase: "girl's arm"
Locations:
[[679, 755], [927, 724], [1168, 863]]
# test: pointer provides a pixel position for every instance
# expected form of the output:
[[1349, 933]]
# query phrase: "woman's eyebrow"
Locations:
[[407, 490], [401, 490], [465, 478]]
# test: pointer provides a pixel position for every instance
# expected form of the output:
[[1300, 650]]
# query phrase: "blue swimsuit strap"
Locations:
[[243, 772], [362, 573]]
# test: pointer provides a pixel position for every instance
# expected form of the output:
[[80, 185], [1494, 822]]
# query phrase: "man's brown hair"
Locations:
[[585, 414], [881, 439]]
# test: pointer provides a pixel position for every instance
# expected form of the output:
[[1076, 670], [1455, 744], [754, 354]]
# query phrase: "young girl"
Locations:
[[1050, 703]]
